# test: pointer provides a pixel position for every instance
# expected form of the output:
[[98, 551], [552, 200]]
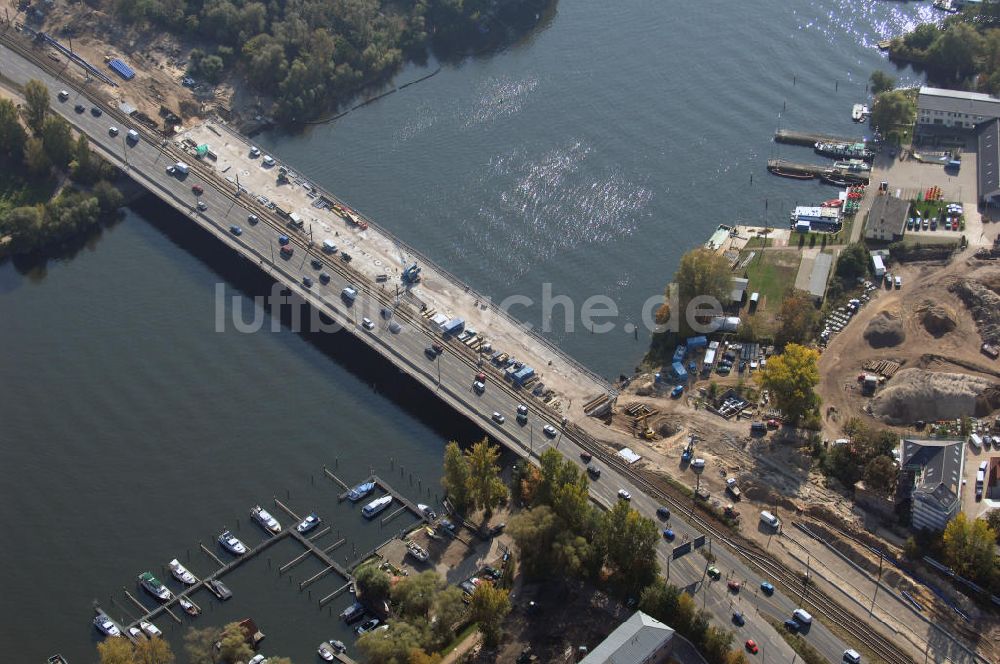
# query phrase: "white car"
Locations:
[[698, 464], [624, 495], [550, 431], [367, 324], [258, 659], [498, 418], [113, 131]]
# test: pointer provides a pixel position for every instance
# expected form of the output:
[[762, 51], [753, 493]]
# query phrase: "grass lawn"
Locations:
[[758, 242], [771, 273], [462, 636]]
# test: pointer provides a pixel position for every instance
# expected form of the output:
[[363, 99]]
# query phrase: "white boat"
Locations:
[[155, 587], [181, 574], [360, 491], [188, 606], [427, 511], [417, 551], [326, 651], [266, 521], [232, 544], [136, 633], [309, 523], [859, 112], [106, 626], [150, 629], [374, 507]]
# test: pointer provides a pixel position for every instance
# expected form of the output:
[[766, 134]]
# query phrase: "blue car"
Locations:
[[236, 230], [668, 534], [767, 588], [738, 618], [792, 626], [282, 240]]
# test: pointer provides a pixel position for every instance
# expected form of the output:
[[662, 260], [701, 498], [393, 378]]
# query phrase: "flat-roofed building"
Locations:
[[937, 107]]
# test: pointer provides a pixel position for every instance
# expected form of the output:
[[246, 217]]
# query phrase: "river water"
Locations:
[[588, 156]]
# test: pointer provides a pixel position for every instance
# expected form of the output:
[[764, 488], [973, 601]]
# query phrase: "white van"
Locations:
[[769, 519], [976, 441], [899, 282], [132, 136], [329, 247], [852, 656], [802, 616]]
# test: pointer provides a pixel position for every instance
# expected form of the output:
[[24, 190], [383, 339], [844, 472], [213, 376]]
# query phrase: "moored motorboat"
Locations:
[[181, 573], [856, 113], [427, 511], [150, 629], [360, 491], [232, 544], [220, 589], [57, 659], [353, 612], [309, 523], [154, 587], [266, 521], [105, 625], [189, 607], [374, 507], [325, 651], [136, 633], [790, 174]]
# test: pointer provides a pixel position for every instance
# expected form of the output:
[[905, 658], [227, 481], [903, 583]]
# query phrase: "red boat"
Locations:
[[833, 202]]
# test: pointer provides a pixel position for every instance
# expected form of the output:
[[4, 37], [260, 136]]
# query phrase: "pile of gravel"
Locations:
[[885, 330], [936, 319], [917, 394]]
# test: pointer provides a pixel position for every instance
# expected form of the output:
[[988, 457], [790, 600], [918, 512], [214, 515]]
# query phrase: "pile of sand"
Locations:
[[937, 320], [885, 330], [916, 394]]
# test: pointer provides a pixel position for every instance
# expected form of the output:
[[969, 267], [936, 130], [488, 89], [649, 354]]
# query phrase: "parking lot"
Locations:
[[973, 458]]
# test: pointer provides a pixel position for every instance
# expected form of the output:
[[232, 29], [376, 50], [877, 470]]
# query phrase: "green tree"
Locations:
[[630, 542], [414, 594], [840, 462], [449, 610], [373, 584], [115, 651], [702, 273], [955, 51], [797, 317], [108, 197], [893, 111], [880, 475], [57, 138], [233, 646], [35, 158], [456, 477], [852, 262], [969, 547], [668, 604], [993, 520], [489, 606], [12, 134], [199, 644], [211, 68], [534, 531], [156, 651], [922, 36], [486, 490], [790, 378], [881, 82], [84, 165], [23, 223], [393, 645], [36, 104]]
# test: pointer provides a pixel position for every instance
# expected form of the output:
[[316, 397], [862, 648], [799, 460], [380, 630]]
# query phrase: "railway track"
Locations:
[[823, 604]]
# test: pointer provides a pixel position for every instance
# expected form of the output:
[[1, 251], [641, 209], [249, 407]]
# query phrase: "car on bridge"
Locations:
[[767, 588], [734, 585], [316, 263], [662, 512], [235, 230], [586, 456], [498, 418], [79, 108], [63, 95], [252, 219], [792, 625], [307, 282], [324, 278], [522, 413], [287, 251], [96, 112], [197, 190], [202, 205], [624, 495], [751, 645], [738, 618], [550, 431], [368, 323], [112, 131], [283, 240], [479, 387], [668, 534], [714, 572], [593, 471]]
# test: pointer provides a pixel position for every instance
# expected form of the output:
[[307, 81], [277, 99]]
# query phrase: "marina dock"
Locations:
[[809, 139]]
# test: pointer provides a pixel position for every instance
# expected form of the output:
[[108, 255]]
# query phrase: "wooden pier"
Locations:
[[809, 139], [226, 568], [823, 171]]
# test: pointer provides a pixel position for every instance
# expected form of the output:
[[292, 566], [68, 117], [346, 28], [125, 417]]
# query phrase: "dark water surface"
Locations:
[[589, 156]]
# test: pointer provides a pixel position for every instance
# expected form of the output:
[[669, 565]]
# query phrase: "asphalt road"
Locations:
[[450, 375]]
